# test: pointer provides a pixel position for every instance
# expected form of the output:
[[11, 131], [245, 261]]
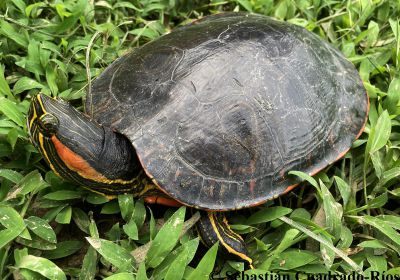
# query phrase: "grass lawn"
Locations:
[[344, 220]]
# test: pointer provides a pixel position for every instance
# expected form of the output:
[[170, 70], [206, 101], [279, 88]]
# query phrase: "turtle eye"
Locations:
[[48, 124]]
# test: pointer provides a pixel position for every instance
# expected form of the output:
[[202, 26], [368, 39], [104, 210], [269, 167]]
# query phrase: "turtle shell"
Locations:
[[221, 110]]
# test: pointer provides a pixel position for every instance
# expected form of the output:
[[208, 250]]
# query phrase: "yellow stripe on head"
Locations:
[[33, 118], [44, 153]]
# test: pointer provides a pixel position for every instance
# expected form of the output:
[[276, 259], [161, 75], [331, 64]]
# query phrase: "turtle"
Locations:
[[213, 115]]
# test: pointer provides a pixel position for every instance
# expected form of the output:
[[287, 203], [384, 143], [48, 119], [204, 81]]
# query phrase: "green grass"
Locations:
[[344, 219]]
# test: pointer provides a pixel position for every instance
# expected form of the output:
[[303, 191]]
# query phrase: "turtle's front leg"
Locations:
[[213, 227]]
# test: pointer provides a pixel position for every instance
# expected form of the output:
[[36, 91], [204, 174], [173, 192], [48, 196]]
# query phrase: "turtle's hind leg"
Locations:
[[213, 227]]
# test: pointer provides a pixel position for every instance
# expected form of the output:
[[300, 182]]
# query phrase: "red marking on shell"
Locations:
[[252, 185], [162, 200], [177, 173]]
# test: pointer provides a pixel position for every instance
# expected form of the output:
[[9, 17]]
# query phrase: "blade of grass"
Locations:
[[309, 233]]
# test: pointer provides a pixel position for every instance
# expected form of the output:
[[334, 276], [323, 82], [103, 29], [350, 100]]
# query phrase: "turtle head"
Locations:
[[80, 150], [44, 117]]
